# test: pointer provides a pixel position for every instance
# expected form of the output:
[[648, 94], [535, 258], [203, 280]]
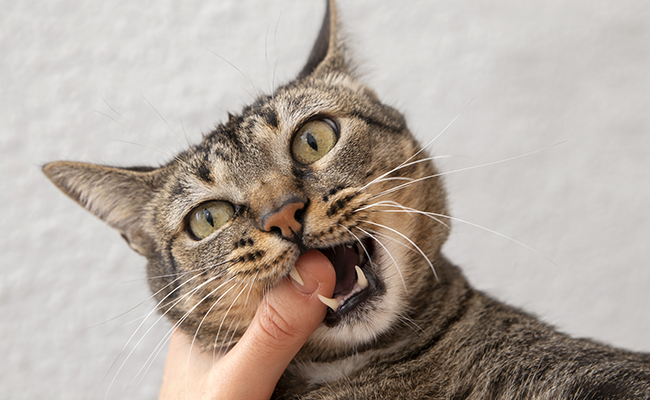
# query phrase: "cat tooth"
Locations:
[[362, 281], [331, 303], [296, 276]]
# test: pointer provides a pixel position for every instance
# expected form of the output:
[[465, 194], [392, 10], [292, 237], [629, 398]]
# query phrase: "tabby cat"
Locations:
[[323, 164]]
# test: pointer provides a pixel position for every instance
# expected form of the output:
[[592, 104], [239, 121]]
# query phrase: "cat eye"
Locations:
[[208, 217], [314, 140]]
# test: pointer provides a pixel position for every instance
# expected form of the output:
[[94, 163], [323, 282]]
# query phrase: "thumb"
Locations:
[[292, 311], [285, 318]]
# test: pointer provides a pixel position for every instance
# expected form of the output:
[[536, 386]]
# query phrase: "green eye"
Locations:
[[313, 141], [209, 217]]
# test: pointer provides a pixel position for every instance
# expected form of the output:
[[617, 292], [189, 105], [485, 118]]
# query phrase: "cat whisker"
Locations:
[[159, 318], [134, 320], [275, 64], [214, 354], [159, 307], [266, 56], [404, 185], [226, 313], [403, 208], [232, 335], [167, 336], [381, 177], [189, 355], [187, 139], [251, 288], [394, 240], [192, 270], [144, 319], [360, 242], [111, 108], [436, 217], [240, 71], [134, 307], [498, 234], [406, 162], [166, 154], [397, 267], [410, 322], [216, 338], [442, 131], [113, 119], [394, 178], [163, 118], [410, 241]]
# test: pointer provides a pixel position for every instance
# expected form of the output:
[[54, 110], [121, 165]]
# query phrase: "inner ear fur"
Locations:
[[328, 53], [118, 196]]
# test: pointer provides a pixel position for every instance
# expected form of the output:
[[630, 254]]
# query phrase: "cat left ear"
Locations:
[[118, 196], [328, 53]]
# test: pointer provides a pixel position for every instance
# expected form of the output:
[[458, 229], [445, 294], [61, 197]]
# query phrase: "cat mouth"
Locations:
[[355, 280]]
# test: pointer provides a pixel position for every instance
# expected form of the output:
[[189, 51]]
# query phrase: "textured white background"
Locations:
[[93, 80]]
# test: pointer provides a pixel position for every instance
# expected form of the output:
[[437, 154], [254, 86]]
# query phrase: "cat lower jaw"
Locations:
[[339, 306]]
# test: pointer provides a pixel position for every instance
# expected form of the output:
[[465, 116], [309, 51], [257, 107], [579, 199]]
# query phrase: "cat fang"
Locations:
[[352, 284], [354, 280], [322, 165]]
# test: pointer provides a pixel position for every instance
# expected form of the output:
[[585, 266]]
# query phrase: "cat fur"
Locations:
[[424, 332]]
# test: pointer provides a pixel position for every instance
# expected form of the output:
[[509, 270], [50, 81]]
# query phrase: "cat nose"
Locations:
[[286, 219]]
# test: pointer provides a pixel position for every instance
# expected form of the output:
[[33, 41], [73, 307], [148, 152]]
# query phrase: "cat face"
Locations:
[[321, 164]]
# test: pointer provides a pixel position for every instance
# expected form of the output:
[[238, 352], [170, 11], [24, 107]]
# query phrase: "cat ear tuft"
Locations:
[[328, 53], [118, 196]]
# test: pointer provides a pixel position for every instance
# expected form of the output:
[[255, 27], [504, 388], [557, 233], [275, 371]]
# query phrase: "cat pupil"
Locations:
[[208, 217], [312, 142], [466, 344]]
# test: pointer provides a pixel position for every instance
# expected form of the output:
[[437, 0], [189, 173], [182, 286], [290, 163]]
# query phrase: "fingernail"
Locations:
[[309, 269]]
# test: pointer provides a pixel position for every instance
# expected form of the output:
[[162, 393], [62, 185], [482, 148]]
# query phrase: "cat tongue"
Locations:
[[344, 258]]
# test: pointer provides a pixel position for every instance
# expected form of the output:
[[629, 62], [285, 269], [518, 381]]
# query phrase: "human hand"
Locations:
[[285, 318]]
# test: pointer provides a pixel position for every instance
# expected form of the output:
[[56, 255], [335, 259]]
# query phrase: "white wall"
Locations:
[[90, 81]]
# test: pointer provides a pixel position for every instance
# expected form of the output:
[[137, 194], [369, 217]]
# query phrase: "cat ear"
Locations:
[[328, 53], [118, 196]]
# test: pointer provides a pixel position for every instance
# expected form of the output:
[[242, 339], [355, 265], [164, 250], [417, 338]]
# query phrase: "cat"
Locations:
[[323, 164]]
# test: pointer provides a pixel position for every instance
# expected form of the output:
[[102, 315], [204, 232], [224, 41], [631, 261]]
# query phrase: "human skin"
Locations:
[[285, 318]]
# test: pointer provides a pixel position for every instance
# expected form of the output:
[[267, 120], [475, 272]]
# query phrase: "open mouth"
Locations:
[[355, 280]]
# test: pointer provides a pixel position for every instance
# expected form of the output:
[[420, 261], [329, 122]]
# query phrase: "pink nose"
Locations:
[[285, 220]]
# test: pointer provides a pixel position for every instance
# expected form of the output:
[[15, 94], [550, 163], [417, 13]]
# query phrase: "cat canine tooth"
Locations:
[[331, 303], [296, 276], [361, 278]]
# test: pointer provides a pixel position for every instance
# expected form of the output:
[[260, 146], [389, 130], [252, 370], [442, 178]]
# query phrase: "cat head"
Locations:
[[319, 164]]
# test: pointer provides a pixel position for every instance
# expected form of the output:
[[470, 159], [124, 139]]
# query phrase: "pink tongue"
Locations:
[[344, 259]]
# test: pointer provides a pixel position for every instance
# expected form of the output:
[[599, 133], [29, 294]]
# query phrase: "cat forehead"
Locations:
[[257, 136], [291, 105], [257, 129]]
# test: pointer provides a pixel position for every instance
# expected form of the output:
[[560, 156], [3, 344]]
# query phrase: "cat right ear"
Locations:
[[329, 52], [118, 196]]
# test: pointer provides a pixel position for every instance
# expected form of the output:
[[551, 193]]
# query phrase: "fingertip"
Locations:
[[316, 266]]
